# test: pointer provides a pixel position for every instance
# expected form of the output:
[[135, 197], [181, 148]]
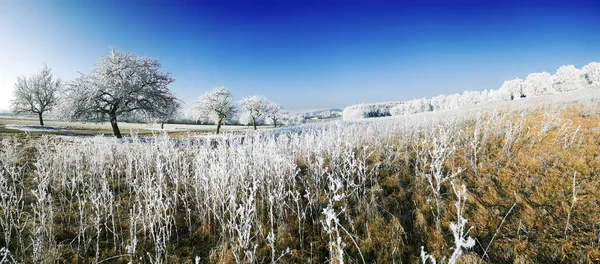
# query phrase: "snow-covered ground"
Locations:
[[25, 123], [35, 128]]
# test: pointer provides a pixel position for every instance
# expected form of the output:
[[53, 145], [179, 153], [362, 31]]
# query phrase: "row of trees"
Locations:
[[567, 78], [126, 87], [218, 105]]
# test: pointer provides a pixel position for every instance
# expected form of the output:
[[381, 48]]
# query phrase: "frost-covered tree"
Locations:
[[512, 89], [121, 85], [216, 105], [591, 72], [382, 109], [354, 112], [255, 107], [169, 112], [452, 101], [399, 109], [273, 112], [567, 78], [438, 102], [417, 106], [470, 98], [495, 96], [485, 96], [36, 94], [539, 83]]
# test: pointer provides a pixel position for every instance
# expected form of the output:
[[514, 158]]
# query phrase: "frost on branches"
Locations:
[[461, 239], [539, 83], [273, 112], [254, 107], [121, 85], [216, 105], [513, 88], [591, 72], [567, 78], [36, 94]]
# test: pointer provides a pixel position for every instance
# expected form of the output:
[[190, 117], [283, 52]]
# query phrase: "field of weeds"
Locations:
[[517, 184]]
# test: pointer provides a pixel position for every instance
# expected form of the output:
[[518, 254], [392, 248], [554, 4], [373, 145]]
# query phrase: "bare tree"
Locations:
[[216, 105], [121, 85], [273, 112], [36, 94], [255, 107]]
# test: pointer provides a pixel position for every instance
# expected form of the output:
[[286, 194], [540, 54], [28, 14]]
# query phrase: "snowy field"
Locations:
[[20, 123], [34, 128]]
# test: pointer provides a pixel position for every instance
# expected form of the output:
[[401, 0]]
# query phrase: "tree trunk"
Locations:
[[115, 127], [254, 123], [162, 124], [219, 125], [274, 123], [41, 119]]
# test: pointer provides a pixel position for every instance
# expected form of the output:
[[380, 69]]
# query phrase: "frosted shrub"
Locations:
[[13, 217], [5, 256], [43, 222], [476, 140], [243, 223], [331, 222], [551, 121], [512, 133], [438, 149], [461, 239]]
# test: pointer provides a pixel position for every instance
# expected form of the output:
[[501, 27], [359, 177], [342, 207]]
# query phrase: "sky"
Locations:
[[304, 54]]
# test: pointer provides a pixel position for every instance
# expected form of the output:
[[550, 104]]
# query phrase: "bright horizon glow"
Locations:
[[6, 89], [304, 55]]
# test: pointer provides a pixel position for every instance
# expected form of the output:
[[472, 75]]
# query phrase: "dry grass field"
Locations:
[[374, 191]]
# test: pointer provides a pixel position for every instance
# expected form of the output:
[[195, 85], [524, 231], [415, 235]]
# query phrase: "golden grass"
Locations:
[[534, 172]]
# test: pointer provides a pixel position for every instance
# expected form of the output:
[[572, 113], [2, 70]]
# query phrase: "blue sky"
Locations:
[[305, 54]]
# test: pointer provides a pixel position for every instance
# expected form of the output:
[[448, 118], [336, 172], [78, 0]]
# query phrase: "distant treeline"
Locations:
[[567, 78]]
